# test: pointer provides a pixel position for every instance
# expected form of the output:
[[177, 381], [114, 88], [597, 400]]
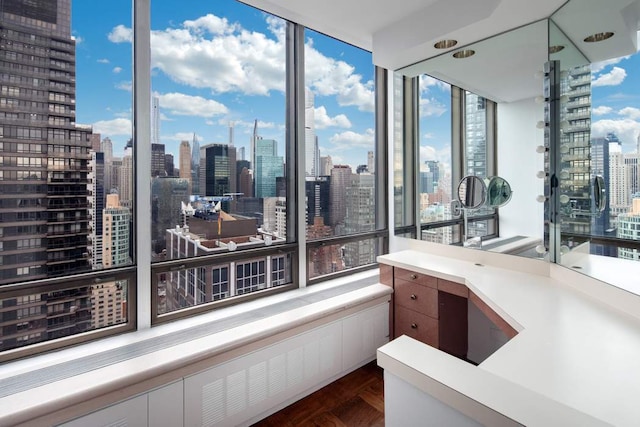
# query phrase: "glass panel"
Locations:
[[340, 149], [449, 235], [218, 179], [435, 186], [340, 257], [33, 316], [190, 287]]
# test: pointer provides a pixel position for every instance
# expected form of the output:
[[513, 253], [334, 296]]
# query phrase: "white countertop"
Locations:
[[571, 348]]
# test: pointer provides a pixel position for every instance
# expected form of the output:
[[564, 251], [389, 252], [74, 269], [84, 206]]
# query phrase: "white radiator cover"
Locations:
[[254, 385]]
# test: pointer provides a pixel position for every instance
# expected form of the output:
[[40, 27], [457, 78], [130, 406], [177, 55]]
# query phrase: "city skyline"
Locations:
[[217, 64]]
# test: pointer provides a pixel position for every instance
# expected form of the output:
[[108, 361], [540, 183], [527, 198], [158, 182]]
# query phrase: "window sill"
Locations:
[[117, 367]]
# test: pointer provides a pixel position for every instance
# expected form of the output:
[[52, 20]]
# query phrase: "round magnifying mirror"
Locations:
[[498, 192], [599, 193], [472, 192]]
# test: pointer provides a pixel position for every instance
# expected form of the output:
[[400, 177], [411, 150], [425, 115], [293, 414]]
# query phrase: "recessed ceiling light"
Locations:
[[555, 49], [598, 37], [464, 53], [445, 44]]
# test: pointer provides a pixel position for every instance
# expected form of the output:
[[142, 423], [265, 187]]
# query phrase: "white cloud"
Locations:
[[103, 61], [596, 67], [612, 78], [350, 139], [233, 60], [209, 52], [126, 85], [427, 82], [187, 105], [181, 136], [120, 34], [601, 110], [323, 120], [630, 112], [330, 77], [118, 126], [210, 23], [431, 107], [627, 130], [117, 70]]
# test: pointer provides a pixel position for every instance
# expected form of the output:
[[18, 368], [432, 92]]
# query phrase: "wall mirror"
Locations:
[[599, 150], [479, 123], [483, 113]]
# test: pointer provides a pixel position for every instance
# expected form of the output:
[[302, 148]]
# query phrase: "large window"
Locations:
[[138, 192], [219, 174], [63, 211], [340, 156]]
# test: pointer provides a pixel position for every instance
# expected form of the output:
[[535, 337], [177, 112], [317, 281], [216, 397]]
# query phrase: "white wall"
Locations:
[[518, 163]]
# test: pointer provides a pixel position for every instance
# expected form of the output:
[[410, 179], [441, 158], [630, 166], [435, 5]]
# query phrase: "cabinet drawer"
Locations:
[[412, 276], [415, 325], [416, 297]]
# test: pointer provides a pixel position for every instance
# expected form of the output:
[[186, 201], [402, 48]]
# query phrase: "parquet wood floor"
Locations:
[[354, 400]]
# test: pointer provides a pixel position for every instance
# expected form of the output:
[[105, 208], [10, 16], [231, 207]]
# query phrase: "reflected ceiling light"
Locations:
[[598, 37], [555, 49], [464, 53], [445, 44]]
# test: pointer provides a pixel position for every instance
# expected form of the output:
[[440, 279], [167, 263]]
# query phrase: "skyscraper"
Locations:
[[218, 176], [360, 217], [317, 193], [167, 193], [97, 198], [268, 167], [340, 180], [629, 228], [195, 166], [115, 237], [169, 164], [49, 194], [125, 181], [184, 159], [326, 164], [157, 160], [576, 138], [371, 162], [245, 179]]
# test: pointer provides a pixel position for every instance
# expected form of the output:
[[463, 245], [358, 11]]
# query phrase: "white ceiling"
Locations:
[[402, 33]]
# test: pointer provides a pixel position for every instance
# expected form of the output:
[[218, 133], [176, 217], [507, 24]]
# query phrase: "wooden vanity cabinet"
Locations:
[[429, 309]]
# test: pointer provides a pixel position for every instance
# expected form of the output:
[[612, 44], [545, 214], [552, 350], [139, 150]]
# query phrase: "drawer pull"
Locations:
[[414, 326], [414, 277], [413, 296]]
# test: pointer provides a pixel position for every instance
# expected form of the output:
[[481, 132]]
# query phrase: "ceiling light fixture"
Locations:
[[445, 44], [598, 37], [464, 53], [555, 49]]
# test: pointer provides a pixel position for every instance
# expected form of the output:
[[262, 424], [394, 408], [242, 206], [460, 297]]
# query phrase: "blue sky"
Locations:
[[214, 63]]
